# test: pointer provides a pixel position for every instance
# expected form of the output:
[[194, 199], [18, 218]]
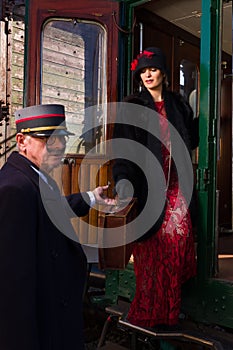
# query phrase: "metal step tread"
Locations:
[[112, 346], [119, 309], [192, 336]]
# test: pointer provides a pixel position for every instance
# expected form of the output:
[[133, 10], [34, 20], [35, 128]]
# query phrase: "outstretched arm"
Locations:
[[82, 202]]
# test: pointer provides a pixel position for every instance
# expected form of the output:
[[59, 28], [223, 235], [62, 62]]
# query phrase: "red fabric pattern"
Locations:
[[167, 259]]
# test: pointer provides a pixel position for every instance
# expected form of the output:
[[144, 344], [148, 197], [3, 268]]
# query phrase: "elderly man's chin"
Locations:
[[52, 162]]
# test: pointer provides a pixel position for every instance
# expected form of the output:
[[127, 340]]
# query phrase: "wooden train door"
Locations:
[[72, 60]]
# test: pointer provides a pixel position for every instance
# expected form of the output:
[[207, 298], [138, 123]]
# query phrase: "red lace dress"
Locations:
[[167, 259]]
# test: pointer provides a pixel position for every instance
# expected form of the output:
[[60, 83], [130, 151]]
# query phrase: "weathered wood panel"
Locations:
[[63, 76], [12, 75], [63, 73], [17, 61], [3, 45], [11, 82]]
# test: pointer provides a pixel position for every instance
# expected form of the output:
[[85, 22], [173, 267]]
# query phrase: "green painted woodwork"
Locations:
[[120, 283], [208, 299], [209, 113], [209, 302]]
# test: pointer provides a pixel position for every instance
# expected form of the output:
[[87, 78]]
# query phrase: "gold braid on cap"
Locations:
[[43, 128]]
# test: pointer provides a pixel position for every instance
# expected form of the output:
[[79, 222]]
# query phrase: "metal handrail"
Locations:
[[185, 335]]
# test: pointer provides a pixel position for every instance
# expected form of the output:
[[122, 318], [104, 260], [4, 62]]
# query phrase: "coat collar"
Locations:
[[28, 168], [24, 165]]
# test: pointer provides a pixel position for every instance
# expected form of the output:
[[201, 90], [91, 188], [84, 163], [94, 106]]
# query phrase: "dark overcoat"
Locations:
[[134, 124], [42, 272]]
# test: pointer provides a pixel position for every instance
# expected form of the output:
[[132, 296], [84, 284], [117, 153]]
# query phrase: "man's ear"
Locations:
[[21, 142]]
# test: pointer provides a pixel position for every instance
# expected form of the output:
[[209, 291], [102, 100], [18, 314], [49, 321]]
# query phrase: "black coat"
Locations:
[[180, 115], [42, 272]]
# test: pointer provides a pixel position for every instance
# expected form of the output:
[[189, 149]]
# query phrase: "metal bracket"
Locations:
[[4, 111], [203, 178]]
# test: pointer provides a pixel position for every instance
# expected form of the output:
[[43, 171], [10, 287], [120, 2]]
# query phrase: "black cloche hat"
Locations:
[[42, 120], [150, 57]]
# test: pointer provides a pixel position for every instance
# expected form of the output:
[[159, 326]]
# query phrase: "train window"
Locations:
[[189, 89], [73, 73], [189, 84]]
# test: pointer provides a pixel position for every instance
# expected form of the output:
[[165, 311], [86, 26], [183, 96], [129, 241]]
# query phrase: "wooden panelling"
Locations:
[[79, 175], [87, 176], [3, 45], [17, 66], [12, 75], [63, 68], [41, 10]]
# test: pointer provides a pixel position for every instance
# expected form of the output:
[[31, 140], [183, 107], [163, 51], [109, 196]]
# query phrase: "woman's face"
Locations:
[[152, 78]]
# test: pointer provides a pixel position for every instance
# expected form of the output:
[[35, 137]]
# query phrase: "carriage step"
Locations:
[[191, 336], [112, 346], [117, 310], [115, 313]]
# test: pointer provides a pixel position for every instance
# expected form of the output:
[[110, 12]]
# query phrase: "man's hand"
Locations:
[[101, 198]]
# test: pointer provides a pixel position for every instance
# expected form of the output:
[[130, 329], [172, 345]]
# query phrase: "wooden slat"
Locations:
[[88, 174], [74, 177], [93, 217], [103, 175], [84, 186], [3, 46], [66, 179], [56, 174], [17, 64]]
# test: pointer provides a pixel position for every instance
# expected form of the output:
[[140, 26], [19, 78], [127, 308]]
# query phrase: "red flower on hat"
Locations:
[[148, 54], [145, 53], [134, 64]]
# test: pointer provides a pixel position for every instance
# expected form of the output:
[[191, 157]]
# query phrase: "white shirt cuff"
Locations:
[[92, 198]]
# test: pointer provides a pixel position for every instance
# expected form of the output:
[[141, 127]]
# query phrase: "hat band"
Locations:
[[44, 128]]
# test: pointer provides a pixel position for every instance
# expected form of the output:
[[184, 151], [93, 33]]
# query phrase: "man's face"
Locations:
[[45, 152]]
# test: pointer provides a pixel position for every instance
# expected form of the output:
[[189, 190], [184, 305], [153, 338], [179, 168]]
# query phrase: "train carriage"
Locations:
[[78, 54]]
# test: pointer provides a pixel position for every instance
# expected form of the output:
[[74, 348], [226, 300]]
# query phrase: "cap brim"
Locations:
[[48, 133]]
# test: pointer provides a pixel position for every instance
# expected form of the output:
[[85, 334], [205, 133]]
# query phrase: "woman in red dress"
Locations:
[[164, 257]]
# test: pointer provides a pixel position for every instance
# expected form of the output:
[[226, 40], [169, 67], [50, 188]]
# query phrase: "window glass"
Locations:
[[189, 84], [73, 73]]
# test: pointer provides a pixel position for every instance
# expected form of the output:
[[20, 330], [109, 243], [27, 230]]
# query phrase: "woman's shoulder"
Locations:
[[134, 98], [177, 97], [179, 101]]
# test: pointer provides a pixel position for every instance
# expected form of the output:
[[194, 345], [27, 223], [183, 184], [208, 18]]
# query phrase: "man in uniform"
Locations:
[[42, 265]]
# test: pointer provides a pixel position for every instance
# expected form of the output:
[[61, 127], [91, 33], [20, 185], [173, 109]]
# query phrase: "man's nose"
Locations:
[[56, 142], [59, 142]]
